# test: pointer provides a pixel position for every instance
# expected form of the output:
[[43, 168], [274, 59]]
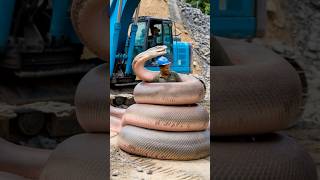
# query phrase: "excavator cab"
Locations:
[[151, 32]]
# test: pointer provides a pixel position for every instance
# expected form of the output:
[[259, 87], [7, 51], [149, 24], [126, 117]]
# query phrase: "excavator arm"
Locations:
[[121, 12]]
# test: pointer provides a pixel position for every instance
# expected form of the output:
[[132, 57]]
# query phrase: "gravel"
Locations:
[[115, 173], [198, 25], [139, 169]]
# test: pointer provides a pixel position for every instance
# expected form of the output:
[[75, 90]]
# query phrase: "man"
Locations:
[[165, 74], [154, 36]]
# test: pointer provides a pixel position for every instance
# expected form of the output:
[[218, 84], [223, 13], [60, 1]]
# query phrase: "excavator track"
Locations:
[[17, 91], [33, 105]]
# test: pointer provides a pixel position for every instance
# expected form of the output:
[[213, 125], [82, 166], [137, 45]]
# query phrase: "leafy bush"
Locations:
[[203, 5]]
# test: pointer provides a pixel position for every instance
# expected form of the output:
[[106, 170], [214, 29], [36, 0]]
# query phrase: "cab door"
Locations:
[[167, 39], [160, 33]]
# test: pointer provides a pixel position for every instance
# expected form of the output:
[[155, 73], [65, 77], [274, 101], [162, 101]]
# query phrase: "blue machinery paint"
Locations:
[[119, 35], [234, 18], [133, 33], [61, 25], [6, 13], [182, 55], [117, 29], [113, 47]]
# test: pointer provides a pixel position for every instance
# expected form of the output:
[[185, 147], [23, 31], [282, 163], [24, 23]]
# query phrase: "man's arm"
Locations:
[[178, 78], [155, 79]]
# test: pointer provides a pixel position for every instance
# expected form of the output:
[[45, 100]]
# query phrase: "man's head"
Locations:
[[155, 31], [165, 69], [164, 65]]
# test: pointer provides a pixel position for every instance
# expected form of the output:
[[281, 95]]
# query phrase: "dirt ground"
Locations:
[[125, 166], [156, 8]]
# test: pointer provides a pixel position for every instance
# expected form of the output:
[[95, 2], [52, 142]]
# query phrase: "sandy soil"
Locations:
[[156, 8], [126, 166], [159, 8]]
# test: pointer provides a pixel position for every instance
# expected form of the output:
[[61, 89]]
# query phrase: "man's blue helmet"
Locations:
[[161, 61]]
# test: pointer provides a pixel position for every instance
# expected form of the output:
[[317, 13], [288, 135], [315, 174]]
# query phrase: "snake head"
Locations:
[[152, 52], [157, 50]]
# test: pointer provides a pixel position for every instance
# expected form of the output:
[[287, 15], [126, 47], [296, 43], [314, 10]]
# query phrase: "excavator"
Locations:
[[131, 36], [239, 19], [41, 60], [37, 34]]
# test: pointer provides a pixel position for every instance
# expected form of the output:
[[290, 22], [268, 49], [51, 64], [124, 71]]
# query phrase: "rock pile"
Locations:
[[301, 22], [199, 26]]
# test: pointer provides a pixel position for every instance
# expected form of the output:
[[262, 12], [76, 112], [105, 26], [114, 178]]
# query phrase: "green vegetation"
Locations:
[[203, 5]]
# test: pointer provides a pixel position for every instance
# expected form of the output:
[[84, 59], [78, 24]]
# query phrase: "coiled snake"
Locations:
[[255, 92], [160, 124]]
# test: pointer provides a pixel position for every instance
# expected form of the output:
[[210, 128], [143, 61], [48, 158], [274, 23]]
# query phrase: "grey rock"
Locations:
[[115, 173], [315, 3], [310, 55], [47, 143], [278, 47], [313, 46], [123, 106], [139, 169], [149, 171]]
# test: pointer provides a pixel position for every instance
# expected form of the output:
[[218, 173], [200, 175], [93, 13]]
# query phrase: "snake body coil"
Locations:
[[266, 157], [253, 96], [154, 129]]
